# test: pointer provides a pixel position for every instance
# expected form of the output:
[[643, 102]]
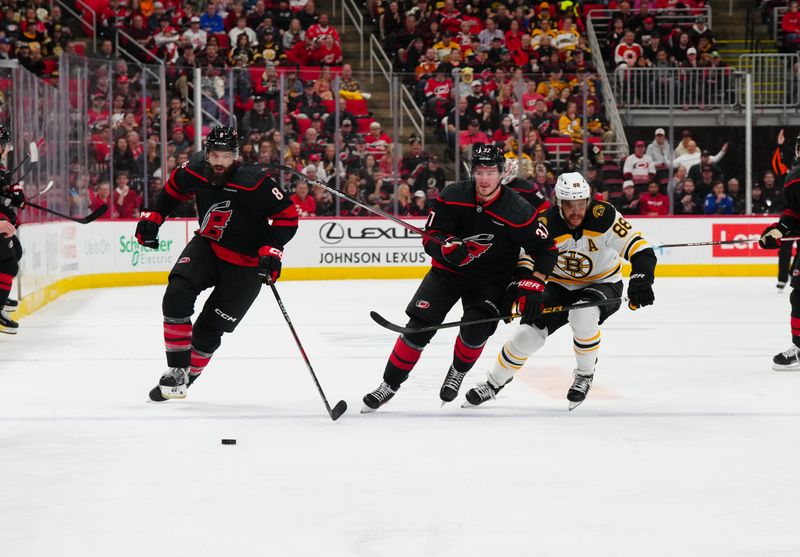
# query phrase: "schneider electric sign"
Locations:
[[138, 255]]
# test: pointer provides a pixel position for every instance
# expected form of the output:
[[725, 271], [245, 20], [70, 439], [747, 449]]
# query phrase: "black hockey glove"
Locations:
[[269, 263], [640, 291], [771, 237], [529, 297], [147, 229], [455, 252], [16, 194]]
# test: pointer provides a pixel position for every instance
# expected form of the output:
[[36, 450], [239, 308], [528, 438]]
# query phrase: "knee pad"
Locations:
[[206, 335], [584, 321], [527, 339], [179, 298], [9, 266], [478, 334], [794, 298], [418, 340]]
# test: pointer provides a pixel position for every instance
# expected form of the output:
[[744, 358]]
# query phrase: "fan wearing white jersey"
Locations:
[[592, 238]]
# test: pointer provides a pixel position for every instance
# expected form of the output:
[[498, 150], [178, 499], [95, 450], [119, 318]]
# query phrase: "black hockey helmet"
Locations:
[[223, 138], [5, 137], [487, 154]]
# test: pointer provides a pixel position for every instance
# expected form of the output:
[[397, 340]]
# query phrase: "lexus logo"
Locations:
[[331, 233]]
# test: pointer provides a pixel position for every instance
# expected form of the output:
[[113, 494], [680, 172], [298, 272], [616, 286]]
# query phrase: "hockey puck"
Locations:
[[229, 441]]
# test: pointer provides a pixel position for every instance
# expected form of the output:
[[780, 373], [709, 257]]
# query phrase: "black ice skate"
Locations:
[[780, 286], [11, 305], [451, 385], [788, 360], [579, 389], [173, 384], [377, 398], [479, 394], [8, 325]]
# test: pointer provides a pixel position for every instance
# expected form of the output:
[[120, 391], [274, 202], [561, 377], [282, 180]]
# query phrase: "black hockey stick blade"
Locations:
[[338, 410], [94, 215], [386, 324]]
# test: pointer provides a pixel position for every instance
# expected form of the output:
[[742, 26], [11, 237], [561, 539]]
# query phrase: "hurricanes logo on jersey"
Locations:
[[215, 220], [574, 264], [477, 245]]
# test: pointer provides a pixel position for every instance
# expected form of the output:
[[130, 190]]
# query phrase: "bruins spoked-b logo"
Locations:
[[574, 264]]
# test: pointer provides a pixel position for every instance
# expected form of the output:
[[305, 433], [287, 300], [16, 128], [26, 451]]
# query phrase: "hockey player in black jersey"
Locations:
[[481, 225], [245, 222], [12, 197], [788, 225], [592, 238]]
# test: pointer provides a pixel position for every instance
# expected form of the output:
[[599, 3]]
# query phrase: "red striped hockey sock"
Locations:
[[177, 341], [465, 356], [402, 360]]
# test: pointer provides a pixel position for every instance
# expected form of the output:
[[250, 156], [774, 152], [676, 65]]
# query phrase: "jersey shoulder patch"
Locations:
[[600, 216]]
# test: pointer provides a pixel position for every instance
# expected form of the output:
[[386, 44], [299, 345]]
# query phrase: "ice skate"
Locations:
[[780, 286], [788, 360], [8, 325], [479, 394], [172, 385], [579, 389], [377, 398], [451, 385], [11, 306]]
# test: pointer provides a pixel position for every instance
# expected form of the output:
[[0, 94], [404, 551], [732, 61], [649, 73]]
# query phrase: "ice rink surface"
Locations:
[[688, 445]]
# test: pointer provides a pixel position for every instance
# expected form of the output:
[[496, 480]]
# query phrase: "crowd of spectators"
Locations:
[[788, 21]]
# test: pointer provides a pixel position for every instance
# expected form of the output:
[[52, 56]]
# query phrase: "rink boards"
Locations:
[[64, 256]]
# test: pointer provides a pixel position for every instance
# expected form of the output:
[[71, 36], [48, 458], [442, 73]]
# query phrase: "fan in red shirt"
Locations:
[[791, 25], [450, 18], [322, 29], [326, 53], [378, 143], [305, 204], [652, 202]]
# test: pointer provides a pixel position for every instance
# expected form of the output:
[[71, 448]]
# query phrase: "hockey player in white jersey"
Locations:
[[592, 239]]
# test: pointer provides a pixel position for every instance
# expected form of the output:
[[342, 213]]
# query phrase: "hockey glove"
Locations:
[[530, 299], [455, 252], [147, 229], [771, 237], [269, 263], [16, 194], [640, 291]]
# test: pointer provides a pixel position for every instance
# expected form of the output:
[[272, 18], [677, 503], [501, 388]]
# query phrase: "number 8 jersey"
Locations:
[[592, 253], [236, 218]]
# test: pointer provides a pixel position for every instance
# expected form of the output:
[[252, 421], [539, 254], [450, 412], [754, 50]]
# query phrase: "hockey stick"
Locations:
[[721, 243], [346, 197], [341, 406], [94, 215], [33, 156], [44, 191], [383, 322]]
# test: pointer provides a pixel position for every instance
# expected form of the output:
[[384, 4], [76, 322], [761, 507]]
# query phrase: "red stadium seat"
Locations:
[[363, 124], [302, 125], [223, 41], [50, 65], [330, 105], [357, 107]]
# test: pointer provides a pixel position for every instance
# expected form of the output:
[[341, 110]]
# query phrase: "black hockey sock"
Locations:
[[177, 340], [8, 270], [465, 355], [795, 320], [402, 360]]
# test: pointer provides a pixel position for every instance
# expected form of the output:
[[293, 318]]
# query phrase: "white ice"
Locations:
[[688, 445]]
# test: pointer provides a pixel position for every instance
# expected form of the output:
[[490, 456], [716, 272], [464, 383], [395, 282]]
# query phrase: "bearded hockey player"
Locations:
[[592, 239], [245, 222]]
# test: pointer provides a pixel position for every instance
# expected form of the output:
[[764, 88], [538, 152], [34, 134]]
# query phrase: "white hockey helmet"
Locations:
[[571, 186]]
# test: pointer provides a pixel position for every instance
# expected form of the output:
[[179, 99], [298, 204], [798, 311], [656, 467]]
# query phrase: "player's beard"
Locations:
[[218, 175]]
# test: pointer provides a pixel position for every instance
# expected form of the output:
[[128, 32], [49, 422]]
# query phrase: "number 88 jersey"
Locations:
[[592, 253]]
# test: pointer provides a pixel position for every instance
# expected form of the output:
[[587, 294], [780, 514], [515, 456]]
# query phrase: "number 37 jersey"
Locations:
[[594, 252]]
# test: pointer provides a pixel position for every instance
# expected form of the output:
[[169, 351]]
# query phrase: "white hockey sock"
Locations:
[[585, 338], [525, 340]]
